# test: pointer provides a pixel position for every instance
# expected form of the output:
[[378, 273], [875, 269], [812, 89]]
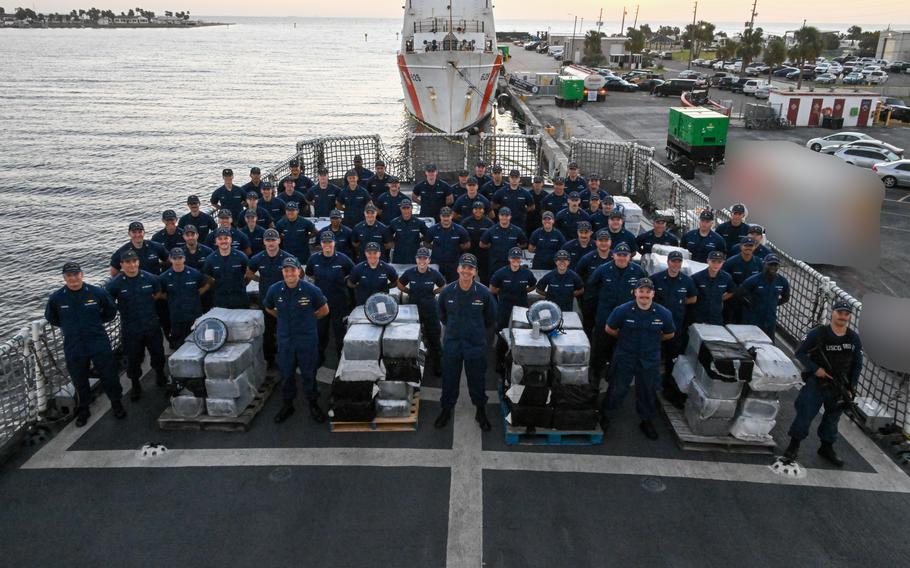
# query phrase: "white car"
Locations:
[[763, 93], [835, 140], [734, 66], [868, 144], [877, 77], [870, 68], [865, 157], [893, 174], [555, 50], [751, 86]]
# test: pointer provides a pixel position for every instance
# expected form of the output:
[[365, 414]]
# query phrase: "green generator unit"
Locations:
[[570, 91], [697, 135]]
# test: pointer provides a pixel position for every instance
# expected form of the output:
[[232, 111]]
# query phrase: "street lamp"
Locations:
[[572, 41]]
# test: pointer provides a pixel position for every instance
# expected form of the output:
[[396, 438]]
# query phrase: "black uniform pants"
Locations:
[[270, 338], [180, 330], [78, 365], [135, 343], [602, 346], [332, 324]]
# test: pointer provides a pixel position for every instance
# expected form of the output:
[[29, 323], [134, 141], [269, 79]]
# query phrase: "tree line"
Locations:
[[93, 14]]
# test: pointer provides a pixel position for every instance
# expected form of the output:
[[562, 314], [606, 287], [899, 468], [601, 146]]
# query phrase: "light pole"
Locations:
[[572, 41]]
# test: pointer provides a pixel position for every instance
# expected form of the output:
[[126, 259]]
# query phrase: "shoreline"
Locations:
[[116, 26]]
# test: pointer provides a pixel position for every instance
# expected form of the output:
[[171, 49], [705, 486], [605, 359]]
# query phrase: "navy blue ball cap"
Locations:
[[496, 169], [583, 226], [71, 267], [463, 173], [471, 181], [358, 159], [603, 235], [223, 232], [227, 172], [252, 195], [137, 226], [478, 205], [192, 200], [225, 214], [370, 208], [716, 255], [177, 252], [607, 199], [594, 197], [291, 206], [756, 230], [747, 241], [266, 186], [842, 306], [468, 260], [616, 214], [558, 181], [271, 235], [255, 170], [706, 215], [405, 204], [514, 252], [394, 179], [379, 164], [562, 255], [327, 237], [295, 163], [322, 171], [771, 259], [431, 167], [545, 215], [622, 248], [537, 179], [480, 164], [372, 247], [574, 196], [350, 173], [288, 180], [446, 212], [290, 262], [675, 255], [168, 214], [249, 213], [738, 208], [190, 229], [423, 252], [645, 283], [336, 214], [573, 165], [505, 211], [128, 255], [594, 176], [514, 174]]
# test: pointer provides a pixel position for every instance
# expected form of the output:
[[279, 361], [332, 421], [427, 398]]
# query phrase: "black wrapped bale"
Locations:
[[727, 362]]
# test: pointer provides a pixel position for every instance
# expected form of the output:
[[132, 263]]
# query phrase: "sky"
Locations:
[[894, 12]]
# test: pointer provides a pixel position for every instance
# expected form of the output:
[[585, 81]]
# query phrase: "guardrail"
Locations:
[[32, 368]]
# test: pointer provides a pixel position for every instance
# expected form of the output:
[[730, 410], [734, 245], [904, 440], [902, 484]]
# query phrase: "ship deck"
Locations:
[[297, 494]]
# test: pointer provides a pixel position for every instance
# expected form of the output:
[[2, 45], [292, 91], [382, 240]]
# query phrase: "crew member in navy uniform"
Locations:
[[601, 218], [371, 276], [762, 293], [500, 239], [289, 194], [301, 182], [674, 291], [226, 269], [352, 200], [511, 285], [329, 269], [640, 327], [80, 310], [612, 284], [581, 245], [432, 194], [228, 196], [378, 183], [263, 217], [585, 266], [516, 198], [265, 268], [467, 309], [702, 241], [558, 199], [389, 202], [171, 235], [618, 234], [561, 285], [183, 287], [538, 195], [757, 233], [253, 231], [714, 288], [153, 258], [828, 351], [296, 232], [255, 183], [592, 189], [363, 174], [575, 182], [297, 305], [461, 186], [659, 235], [464, 205], [238, 239], [495, 183], [322, 196], [480, 172], [567, 220], [736, 228], [422, 284], [135, 291], [203, 222], [544, 242], [476, 225], [593, 210], [341, 233], [195, 252], [272, 204], [405, 235], [740, 266], [369, 231], [448, 240]]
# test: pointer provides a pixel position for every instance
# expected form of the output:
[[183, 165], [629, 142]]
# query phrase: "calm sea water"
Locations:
[[101, 127]]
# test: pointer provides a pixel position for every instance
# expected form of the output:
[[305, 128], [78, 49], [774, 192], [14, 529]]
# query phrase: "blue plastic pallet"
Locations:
[[518, 435]]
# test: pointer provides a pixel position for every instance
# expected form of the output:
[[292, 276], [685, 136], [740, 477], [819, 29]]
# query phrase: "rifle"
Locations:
[[842, 386]]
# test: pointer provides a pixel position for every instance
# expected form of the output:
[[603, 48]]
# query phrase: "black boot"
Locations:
[[82, 415], [136, 390], [118, 410], [160, 378], [604, 423], [287, 408], [826, 451], [435, 365], [316, 412], [444, 416], [648, 428], [481, 417], [792, 450]]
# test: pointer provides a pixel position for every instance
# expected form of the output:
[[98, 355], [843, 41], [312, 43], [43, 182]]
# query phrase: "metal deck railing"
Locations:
[[32, 369]]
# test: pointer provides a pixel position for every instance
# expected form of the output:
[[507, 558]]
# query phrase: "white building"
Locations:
[[807, 107], [893, 45], [612, 47]]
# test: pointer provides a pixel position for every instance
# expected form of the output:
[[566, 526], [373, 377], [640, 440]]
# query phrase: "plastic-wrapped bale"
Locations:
[[653, 263], [699, 332], [530, 350], [242, 325], [774, 371], [232, 388], [665, 250], [522, 395], [363, 342], [726, 361], [353, 390], [230, 407], [187, 362], [575, 397], [394, 390], [186, 405], [229, 361], [529, 416], [752, 429], [684, 371], [571, 348], [690, 267], [575, 419], [760, 408], [343, 410], [355, 370], [706, 416], [519, 318], [631, 211], [407, 313], [568, 375], [393, 408], [403, 370], [358, 316], [530, 375], [748, 334], [714, 388], [571, 320], [401, 340]]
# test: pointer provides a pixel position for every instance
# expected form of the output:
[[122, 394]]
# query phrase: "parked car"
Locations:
[[727, 82], [893, 174], [666, 55], [738, 85], [689, 74], [869, 144], [542, 48], [836, 140], [755, 70], [734, 66], [763, 93], [650, 84], [865, 157], [877, 77], [826, 79], [532, 45], [808, 75], [675, 87], [870, 68], [698, 62], [854, 79], [900, 112], [783, 71], [618, 84], [554, 50], [752, 85]]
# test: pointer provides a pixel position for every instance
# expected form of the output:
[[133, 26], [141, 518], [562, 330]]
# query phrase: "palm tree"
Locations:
[[727, 49], [775, 54], [808, 45], [750, 46]]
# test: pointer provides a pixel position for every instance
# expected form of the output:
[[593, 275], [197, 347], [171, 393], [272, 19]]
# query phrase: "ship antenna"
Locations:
[[450, 16]]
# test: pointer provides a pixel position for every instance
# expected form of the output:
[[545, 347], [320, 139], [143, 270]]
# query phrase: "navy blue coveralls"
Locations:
[[153, 257], [250, 186], [239, 241], [389, 206], [465, 315], [297, 335], [578, 184], [229, 272], [761, 298], [555, 203], [138, 321], [169, 241], [476, 228], [365, 233], [203, 222], [343, 240], [637, 356], [301, 182], [354, 202], [567, 222], [328, 274], [534, 217], [269, 269], [761, 251], [599, 220], [560, 288], [576, 250], [197, 258], [263, 217], [432, 197], [446, 247], [546, 244], [646, 241], [672, 294], [464, 206], [512, 286], [275, 208], [517, 200], [377, 186], [501, 240], [710, 305], [81, 314], [700, 246], [612, 286], [586, 266], [298, 198], [295, 236], [255, 236], [490, 188], [586, 197], [371, 280], [732, 235], [323, 199], [407, 237], [420, 287], [230, 199], [845, 355], [737, 267], [183, 301], [623, 236]]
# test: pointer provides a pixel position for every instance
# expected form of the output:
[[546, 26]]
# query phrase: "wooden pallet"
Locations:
[[519, 435], [686, 440], [170, 421], [396, 424]]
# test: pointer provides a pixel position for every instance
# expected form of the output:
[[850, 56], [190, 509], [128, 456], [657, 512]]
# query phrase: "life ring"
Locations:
[[827, 111]]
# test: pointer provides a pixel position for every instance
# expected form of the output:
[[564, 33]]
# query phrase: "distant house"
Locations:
[[104, 21], [130, 20], [166, 20]]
